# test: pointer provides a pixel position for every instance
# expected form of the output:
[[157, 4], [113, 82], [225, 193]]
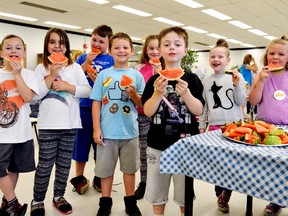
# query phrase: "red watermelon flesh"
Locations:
[[125, 81], [171, 73], [155, 61], [95, 50], [57, 58], [12, 58], [90, 69], [275, 67]]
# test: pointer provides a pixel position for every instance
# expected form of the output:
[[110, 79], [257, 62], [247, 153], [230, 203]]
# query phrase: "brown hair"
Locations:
[[144, 56], [103, 31], [283, 41], [9, 37], [64, 39], [120, 35], [179, 31], [247, 59], [222, 43]]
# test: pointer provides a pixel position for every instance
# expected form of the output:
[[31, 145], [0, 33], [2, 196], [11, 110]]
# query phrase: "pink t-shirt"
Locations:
[[147, 71]]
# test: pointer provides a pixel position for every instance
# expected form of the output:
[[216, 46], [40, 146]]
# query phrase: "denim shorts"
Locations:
[[17, 158]]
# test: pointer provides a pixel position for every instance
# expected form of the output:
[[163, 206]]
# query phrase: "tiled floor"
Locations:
[[87, 204]]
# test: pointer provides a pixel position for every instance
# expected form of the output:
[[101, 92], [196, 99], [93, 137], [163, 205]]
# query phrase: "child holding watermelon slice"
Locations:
[[270, 92], [172, 106], [224, 95], [95, 61], [62, 84], [17, 88], [149, 65], [115, 93]]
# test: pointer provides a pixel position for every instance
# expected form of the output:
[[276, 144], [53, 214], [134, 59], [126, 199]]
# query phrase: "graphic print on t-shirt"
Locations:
[[217, 100], [10, 103], [62, 96], [114, 94], [172, 114]]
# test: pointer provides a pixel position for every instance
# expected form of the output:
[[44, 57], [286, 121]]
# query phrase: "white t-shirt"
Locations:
[[60, 110], [15, 124]]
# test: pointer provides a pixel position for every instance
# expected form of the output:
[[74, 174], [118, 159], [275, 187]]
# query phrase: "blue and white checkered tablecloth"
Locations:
[[257, 171]]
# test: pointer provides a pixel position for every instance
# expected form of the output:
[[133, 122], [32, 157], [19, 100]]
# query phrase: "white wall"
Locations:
[[34, 39]]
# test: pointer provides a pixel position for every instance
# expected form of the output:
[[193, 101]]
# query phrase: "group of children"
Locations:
[[79, 110]]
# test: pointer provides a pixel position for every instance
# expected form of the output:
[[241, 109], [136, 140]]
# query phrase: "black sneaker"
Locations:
[[105, 204], [3, 213], [139, 193], [272, 210], [97, 184], [62, 206], [4, 204], [37, 209], [131, 207], [80, 184], [16, 210]]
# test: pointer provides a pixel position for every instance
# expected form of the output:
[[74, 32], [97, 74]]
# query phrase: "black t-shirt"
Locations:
[[167, 126]]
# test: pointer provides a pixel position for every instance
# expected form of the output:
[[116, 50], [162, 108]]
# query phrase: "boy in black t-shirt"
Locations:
[[172, 105]]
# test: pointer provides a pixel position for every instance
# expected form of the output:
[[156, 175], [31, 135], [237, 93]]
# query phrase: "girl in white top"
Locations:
[[61, 87]]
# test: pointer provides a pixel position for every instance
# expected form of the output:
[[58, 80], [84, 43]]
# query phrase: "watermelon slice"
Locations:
[[12, 58], [171, 73], [155, 61], [57, 58], [229, 72], [125, 81], [96, 51], [90, 69], [275, 67]]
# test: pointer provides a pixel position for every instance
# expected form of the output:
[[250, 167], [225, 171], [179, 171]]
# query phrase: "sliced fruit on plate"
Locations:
[[125, 81], [275, 67], [172, 74], [90, 69], [12, 58], [96, 50], [272, 140], [57, 58], [243, 130], [155, 61]]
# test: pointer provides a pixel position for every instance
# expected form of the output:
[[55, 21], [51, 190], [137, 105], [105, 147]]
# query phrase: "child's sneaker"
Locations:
[[80, 184], [97, 183], [272, 210], [37, 209], [139, 193], [62, 206], [16, 210], [131, 207], [105, 204], [4, 204], [223, 200]]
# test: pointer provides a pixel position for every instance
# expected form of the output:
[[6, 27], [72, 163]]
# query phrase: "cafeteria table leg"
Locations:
[[189, 195], [249, 206]]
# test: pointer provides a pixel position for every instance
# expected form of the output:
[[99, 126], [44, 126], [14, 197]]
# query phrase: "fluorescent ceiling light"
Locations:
[[62, 25], [99, 1], [167, 21], [17, 16], [216, 35], [131, 10], [191, 28], [88, 30], [190, 3], [234, 41], [257, 32], [216, 14], [269, 37], [247, 45], [239, 24]]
